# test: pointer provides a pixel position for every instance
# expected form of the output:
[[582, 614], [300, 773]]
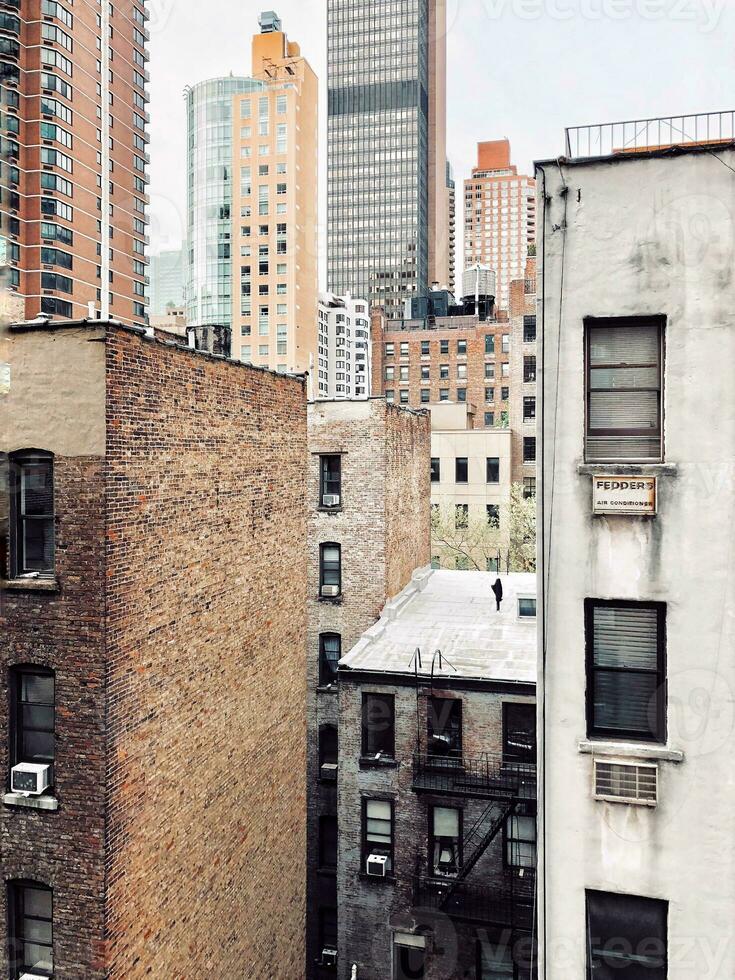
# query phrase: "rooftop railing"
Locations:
[[647, 135]]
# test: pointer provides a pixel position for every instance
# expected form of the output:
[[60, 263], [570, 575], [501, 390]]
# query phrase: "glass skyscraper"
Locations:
[[386, 120]]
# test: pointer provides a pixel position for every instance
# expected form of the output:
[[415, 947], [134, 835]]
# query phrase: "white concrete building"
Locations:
[[637, 547], [344, 350]]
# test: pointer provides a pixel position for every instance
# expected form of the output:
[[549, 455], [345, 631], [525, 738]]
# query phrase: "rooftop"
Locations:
[[453, 612]]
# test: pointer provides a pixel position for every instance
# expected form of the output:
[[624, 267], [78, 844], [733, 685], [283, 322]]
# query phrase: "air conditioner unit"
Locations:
[[376, 865], [619, 781], [30, 778], [329, 956], [330, 590], [32, 976], [330, 499], [329, 771]]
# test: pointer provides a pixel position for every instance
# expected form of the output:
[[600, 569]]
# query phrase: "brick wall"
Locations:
[[522, 303], [206, 711]]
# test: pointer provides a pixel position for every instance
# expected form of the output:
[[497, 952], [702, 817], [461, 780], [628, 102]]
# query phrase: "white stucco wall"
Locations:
[[643, 236]]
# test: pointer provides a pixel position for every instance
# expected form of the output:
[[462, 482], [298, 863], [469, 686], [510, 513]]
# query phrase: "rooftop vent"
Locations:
[[269, 22]]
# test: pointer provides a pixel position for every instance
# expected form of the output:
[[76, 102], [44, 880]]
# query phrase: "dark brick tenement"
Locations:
[[175, 621]]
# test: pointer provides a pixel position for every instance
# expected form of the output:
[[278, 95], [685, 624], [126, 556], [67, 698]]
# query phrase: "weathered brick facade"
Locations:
[[382, 525], [522, 371], [177, 631]]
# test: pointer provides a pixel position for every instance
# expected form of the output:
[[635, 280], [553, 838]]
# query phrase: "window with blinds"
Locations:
[[626, 679], [624, 390]]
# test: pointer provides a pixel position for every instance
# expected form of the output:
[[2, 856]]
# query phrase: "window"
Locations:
[[529, 409], [327, 928], [520, 837], [489, 344], [404, 348], [505, 369], [462, 372], [443, 371], [443, 346], [526, 607], [32, 513], [444, 727], [529, 369], [624, 389], [460, 469], [529, 487], [461, 347], [403, 396], [425, 348], [626, 679], [330, 480], [495, 959], [529, 329], [328, 842], [461, 515], [30, 912], [390, 350], [529, 449], [330, 650], [435, 469], [493, 515], [626, 937], [425, 395], [461, 394], [425, 372], [32, 715], [489, 419], [462, 563], [504, 393], [390, 373], [505, 345], [409, 956], [444, 394], [519, 732], [330, 570], [378, 725], [445, 840], [403, 372], [377, 831], [489, 372], [492, 466]]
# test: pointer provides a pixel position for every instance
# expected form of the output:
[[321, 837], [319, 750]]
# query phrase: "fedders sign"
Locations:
[[623, 494]]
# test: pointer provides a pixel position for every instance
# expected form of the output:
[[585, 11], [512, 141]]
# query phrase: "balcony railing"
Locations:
[[641, 135], [489, 777], [510, 904]]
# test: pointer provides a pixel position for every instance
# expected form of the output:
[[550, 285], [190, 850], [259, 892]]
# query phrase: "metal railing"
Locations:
[[488, 777], [641, 135], [509, 904]]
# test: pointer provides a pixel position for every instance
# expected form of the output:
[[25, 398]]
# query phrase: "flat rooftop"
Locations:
[[453, 612]]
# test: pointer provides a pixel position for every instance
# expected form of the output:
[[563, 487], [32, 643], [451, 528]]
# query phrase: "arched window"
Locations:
[[31, 513], [330, 650], [30, 920]]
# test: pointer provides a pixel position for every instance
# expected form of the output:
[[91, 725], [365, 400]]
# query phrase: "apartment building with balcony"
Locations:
[[437, 784], [368, 506], [342, 367], [636, 865], [74, 145], [153, 552]]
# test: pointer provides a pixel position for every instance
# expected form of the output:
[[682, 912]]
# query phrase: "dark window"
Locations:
[[624, 387], [328, 746], [529, 329], [626, 937], [461, 515], [378, 725], [520, 837], [492, 467], [330, 483], [461, 394], [377, 831], [435, 469], [526, 608], [409, 962], [327, 928], [444, 394], [32, 715], [443, 346], [445, 840], [529, 368], [529, 487], [460, 469], [330, 650], [519, 732], [529, 449], [489, 343], [504, 393], [30, 907], [444, 727], [495, 958], [330, 569], [32, 506], [443, 371], [489, 419], [529, 409], [390, 350], [493, 514], [424, 346], [328, 842], [425, 372], [461, 346], [626, 672], [425, 395]]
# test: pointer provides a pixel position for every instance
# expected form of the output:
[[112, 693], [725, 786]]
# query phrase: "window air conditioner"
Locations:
[[329, 956], [29, 778], [330, 499], [376, 865], [330, 590], [329, 771], [626, 782], [32, 976]]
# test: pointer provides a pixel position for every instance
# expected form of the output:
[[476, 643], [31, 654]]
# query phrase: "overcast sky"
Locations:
[[521, 69]]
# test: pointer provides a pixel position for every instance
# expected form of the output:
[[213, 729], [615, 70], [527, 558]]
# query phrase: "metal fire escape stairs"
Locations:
[[477, 840]]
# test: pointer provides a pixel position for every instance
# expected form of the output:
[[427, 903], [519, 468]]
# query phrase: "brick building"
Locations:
[[523, 378], [153, 559], [74, 102], [368, 497], [437, 784]]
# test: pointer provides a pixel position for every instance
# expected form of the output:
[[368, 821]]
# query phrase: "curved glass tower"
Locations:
[[209, 198]]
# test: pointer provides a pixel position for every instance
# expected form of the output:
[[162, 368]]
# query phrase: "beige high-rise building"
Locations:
[[274, 207], [499, 216]]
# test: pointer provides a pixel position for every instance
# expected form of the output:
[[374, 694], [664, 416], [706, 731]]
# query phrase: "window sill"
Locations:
[[628, 469], [378, 879], [327, 688], [30, 584], [370, 762], [334, 600], [631, 750], [323, 509], [31, 802]]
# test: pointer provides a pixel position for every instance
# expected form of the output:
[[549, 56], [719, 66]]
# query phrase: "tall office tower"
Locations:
[[499, 216], [74, 151], [274, 214], [167, 281], [387, 194], [452, 227]]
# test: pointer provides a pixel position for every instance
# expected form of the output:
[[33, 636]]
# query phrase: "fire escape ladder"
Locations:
[[478, 839]]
